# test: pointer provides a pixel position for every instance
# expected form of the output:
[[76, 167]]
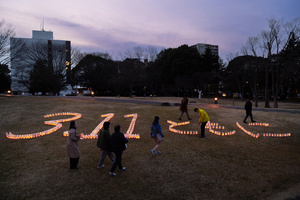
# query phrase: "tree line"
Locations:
[[267, 68], [269, 65], [174, 71]]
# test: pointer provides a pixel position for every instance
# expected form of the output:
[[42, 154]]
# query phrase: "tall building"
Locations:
[[201, 47], [40, 46]]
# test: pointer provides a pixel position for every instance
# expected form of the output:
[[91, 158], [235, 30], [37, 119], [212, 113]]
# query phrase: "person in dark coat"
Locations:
[[248, 108], [183, 107], [117, 145], [103, 143]]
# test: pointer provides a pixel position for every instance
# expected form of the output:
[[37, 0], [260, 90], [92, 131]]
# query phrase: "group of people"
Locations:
[[113, 145], [203, 116]]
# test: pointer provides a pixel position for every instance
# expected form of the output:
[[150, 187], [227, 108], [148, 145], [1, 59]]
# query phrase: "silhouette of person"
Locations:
[[248, 108], [183, 107], [117, 144], [104, 144]]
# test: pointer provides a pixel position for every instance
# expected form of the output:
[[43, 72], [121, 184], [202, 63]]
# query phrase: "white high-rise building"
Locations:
[[201, 47], [40, 46]]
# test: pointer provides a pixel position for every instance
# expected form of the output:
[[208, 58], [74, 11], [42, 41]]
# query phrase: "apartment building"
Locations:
[[201, 47]]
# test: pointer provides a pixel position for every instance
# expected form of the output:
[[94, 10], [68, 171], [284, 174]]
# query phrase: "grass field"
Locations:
[[215, 167]]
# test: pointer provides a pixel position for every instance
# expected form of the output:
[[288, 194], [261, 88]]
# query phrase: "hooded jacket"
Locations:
[[203, 116]]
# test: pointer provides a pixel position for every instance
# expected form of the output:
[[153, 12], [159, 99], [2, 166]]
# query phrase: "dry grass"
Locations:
[[232, 167], [221, 101]]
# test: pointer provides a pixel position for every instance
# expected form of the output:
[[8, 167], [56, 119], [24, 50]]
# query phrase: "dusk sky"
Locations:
[[114, 26]]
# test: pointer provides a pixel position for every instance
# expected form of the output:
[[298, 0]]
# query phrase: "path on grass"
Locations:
[[132, 100]]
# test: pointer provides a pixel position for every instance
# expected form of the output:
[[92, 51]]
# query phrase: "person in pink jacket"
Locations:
[[72, 146], [203, 119]]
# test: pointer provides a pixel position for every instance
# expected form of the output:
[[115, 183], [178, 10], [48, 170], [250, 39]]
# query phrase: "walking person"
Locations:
[[104, 144], [117, 145], [203, 119], [183, 107], [248, 108], [72, 146], [157, 135]]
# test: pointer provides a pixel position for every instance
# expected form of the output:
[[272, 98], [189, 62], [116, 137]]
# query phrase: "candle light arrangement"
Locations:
[[131, 127], [58, 125], [55, 123], [258, 124], [276, 134], [174, 124], [212, 126], [263, 134], [247, 132], [93, 134]]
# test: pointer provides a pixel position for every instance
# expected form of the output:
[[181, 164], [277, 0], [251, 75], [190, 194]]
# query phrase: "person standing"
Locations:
[[203, 119], [117, 145], [183, 107], [72, 146], [248, 108], [157, 135], [103, 143]]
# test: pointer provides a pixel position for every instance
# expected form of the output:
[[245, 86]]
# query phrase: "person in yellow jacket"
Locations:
[[203, 119]]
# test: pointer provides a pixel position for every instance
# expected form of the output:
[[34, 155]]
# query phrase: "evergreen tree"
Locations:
[[5, 78]]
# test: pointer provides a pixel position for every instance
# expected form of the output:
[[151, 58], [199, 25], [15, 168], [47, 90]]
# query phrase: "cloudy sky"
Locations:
[[115, 26]]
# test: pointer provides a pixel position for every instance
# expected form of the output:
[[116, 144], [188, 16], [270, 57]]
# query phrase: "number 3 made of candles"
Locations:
[[58, 125]]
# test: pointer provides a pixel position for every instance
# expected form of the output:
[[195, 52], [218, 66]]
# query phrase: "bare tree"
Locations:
[[138, 52], [244, 50], [6, 32], [20, 67], [231, 56], [272, 42], [76, 56], [11, 49], [152, 53], [275, 26], [37, 51], [292, 27], [252, 44], [128, 53], [267, 42], [17, 49]]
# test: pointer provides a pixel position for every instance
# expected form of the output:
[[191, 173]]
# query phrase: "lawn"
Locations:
[[230, 167]]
